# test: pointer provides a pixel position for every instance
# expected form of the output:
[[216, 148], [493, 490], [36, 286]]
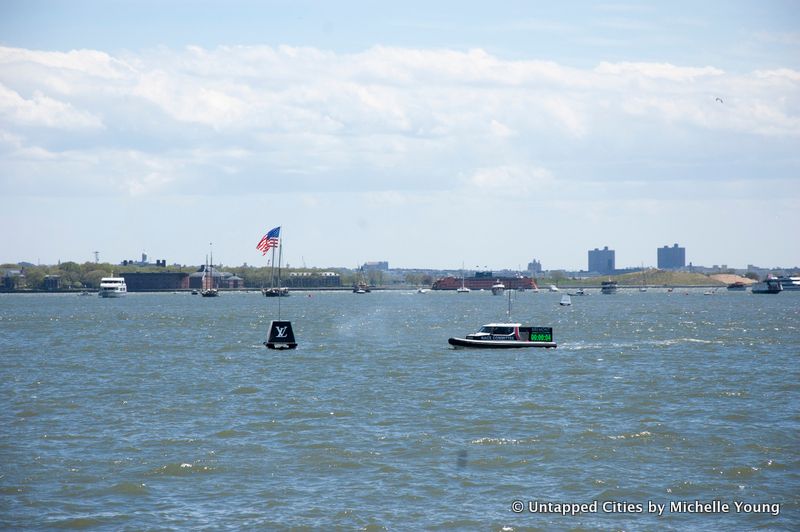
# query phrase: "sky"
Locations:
[[426, 134]]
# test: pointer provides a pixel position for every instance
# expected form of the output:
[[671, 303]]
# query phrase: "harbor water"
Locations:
[[166, 411]]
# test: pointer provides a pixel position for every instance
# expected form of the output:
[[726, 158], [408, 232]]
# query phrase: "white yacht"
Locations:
[[112, 287], [789, 283], [498, 288]]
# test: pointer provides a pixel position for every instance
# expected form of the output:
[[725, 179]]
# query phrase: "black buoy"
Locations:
[[281, 335]]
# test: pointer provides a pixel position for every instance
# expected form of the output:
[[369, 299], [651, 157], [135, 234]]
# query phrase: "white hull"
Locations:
[[112, 293]]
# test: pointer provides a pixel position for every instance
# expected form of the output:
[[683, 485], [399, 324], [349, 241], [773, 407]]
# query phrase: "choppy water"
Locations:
[[166, 411]]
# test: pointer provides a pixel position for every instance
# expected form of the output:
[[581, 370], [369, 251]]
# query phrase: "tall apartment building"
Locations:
[[602, 260], [671, 258]]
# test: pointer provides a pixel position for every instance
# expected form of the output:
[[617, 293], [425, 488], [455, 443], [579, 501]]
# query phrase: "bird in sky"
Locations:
[[719, 100]]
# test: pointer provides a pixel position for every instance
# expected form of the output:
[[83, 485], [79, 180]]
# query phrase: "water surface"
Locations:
[[166, 411]]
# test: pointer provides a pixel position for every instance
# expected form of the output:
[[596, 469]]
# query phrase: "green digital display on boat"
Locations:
[[541, 334]]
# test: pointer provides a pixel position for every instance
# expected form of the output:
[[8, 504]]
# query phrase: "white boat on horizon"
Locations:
[[462, 289], [565, 301], [112, 287], [498, 288]]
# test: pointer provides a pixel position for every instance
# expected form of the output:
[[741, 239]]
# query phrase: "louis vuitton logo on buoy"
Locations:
[[281, 335]]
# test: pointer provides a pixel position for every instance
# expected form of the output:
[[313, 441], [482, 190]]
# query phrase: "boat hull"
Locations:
[[497, 344], [275, 292], [111, 293]]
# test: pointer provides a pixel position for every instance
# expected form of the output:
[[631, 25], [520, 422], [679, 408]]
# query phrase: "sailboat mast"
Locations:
[[272, 270], [280, 253]]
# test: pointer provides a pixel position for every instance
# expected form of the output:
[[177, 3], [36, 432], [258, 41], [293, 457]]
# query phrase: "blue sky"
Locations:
[[425, 135]]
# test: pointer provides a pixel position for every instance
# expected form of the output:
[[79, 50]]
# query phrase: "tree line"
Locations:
[[76, 276]]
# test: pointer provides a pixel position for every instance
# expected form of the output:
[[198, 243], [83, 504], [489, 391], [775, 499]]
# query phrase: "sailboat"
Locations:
[[463, 289], [361, 286], [643, 288], [208, 279], [280, 335], [273, 241]]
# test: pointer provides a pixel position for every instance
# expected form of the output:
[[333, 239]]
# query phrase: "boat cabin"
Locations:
[[511, 331]]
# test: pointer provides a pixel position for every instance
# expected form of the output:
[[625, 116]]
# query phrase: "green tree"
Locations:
[[34, 277], [92, 278]]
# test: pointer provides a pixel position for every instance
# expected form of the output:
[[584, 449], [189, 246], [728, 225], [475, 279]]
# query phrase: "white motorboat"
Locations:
[[112, 287], [506, 336]]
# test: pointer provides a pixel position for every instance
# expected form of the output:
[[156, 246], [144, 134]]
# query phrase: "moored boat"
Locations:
[[112, 287], [789, 283], [738, 286], [275, 291], [361, 288], [608, 287], [506, 336], [498, 288], [768, 286]]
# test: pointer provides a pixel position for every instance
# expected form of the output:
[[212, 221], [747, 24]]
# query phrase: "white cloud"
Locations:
[[664, 71], [236, 118], [511, 180], [44, 111]]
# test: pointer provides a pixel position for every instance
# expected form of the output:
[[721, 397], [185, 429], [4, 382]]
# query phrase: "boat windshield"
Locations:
[[497, 330]]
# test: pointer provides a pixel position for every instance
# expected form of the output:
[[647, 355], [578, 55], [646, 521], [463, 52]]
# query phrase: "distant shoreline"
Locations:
[[350, 289]]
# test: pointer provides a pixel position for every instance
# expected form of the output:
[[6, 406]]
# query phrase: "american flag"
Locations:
[[269, 240]]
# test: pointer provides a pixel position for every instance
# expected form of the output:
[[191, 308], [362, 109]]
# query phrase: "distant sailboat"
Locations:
[[272, 240], [280, 335], [209, 290], [463, 289], [643, 288], [360, 286]]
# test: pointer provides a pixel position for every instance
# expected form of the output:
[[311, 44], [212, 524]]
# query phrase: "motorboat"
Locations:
[[112, 287], [608, 287], [506, 336], [769, 286], [553, 288], [789, 283], [498, 288], [579, 292], [566, 301], [738, 286]]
